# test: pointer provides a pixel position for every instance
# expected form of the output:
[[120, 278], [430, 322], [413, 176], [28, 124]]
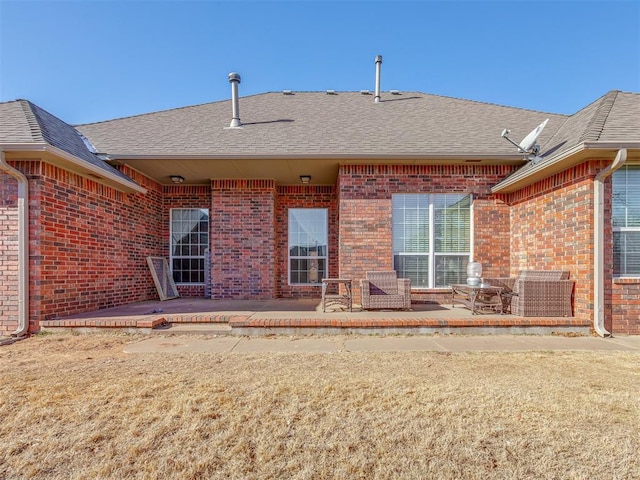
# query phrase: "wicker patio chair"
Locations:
[[537, 293], [385, 290]]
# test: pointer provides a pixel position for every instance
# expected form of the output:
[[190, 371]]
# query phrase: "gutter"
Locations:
[[557, 161], [23, 246], [598, 233], [120, 183], [464, 157]]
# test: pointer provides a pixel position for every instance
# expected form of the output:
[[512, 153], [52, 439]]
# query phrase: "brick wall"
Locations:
[[92, 245], [552, 229], [8, 254], [243, 239], [183, 196], [625, 307], [303, 196], [88, 242], [365, 213], [561, 207]]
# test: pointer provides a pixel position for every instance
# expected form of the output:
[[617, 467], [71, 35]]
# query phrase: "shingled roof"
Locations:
[[24, 123], [343, 124], [615, 117], [610, 123], [322, 125]]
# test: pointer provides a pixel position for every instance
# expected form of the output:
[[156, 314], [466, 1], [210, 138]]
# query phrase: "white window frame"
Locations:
[[623, 229], [306, 257], [431, 254], [173, 256]]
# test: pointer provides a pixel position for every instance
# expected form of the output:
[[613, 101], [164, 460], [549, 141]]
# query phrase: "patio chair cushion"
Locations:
[[382, 283]]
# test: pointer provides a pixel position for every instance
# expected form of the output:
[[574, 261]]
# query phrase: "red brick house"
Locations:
[[284, 188]]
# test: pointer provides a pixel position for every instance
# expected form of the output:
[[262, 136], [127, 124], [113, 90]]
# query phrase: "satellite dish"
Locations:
[[528, 144]]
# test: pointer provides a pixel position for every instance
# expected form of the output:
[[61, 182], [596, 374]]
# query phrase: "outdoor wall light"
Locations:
[[176, 178], [305, 178]]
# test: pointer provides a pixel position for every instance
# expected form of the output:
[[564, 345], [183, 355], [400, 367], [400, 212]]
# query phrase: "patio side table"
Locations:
[[477, 297], [331, 294]]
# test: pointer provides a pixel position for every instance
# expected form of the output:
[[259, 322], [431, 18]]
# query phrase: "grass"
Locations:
[[78, 407]]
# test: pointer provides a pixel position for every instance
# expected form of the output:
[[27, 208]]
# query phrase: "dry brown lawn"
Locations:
[[77, 407]]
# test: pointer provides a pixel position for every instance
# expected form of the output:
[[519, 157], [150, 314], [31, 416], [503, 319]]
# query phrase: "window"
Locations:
[[189, 240], [626, 221], [431, 238], [308, 239]]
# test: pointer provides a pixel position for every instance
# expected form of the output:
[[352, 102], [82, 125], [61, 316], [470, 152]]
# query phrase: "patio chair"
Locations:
[[385, 290], [537, 293]]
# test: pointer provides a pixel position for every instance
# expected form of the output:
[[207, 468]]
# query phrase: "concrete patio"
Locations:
[[305, 316]]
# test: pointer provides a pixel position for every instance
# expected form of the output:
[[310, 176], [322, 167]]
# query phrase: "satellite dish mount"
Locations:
[[528, 145]]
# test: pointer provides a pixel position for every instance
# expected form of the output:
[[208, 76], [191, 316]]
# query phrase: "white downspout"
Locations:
[[23, 246], [598, 231]]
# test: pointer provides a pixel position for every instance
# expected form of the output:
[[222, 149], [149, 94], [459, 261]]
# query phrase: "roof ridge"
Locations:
[[599, 119], [491, 103], [167, 110], [32, 120], [279, 92], [448, 97], [49, 129], [140, 115]]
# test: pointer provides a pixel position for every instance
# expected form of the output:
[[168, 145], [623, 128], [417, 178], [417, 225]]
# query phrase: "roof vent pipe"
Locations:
[[234, 80], [376, 98]]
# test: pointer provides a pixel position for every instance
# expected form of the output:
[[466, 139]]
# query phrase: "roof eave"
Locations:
[[78, 165], [560, 162], [117, 157]]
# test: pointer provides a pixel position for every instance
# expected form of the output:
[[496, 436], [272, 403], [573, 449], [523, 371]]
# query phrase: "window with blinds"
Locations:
[[431, 238], [308, 240], [626, 221]]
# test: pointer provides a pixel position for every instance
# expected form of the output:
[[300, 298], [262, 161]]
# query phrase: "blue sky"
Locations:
[[93, 60]]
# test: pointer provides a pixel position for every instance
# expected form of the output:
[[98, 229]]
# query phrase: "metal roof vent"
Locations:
[[376, 98], [234, 80]]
